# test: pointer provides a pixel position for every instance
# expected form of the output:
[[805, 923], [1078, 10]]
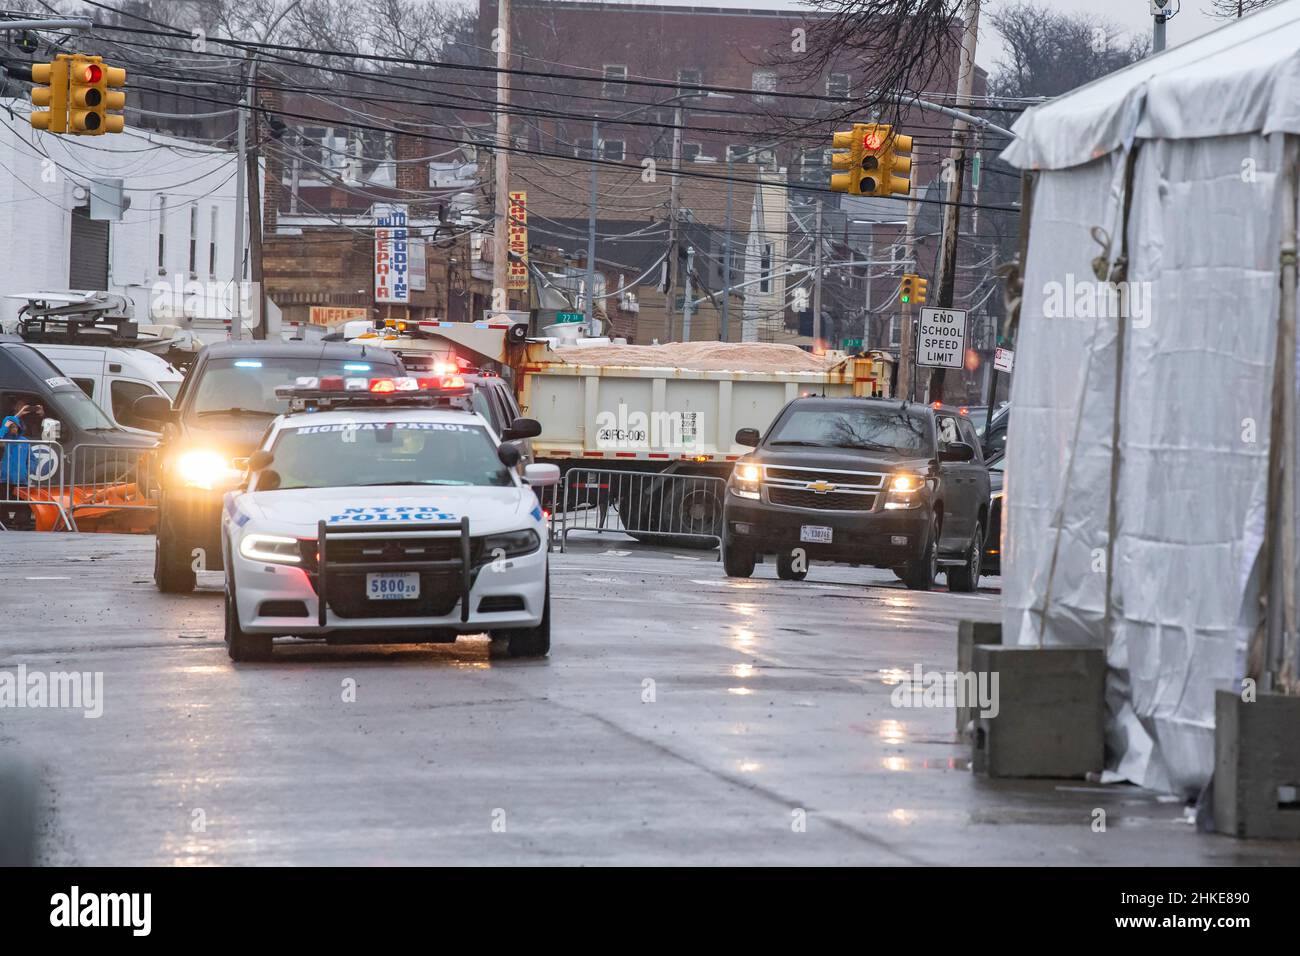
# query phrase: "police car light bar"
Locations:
[[339, 389]]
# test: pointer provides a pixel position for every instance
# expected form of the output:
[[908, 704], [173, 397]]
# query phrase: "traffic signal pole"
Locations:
[[501, 212]]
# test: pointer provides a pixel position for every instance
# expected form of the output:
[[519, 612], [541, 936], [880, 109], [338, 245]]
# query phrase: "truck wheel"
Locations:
[[241, 645], [691, 507], [737, 562], [919, 574], [785, 568], [172, 571], [967, 577], [532, 641]]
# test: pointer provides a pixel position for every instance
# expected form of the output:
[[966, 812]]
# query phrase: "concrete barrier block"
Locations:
[[1257, 766], [1050, 718], [970, 633]]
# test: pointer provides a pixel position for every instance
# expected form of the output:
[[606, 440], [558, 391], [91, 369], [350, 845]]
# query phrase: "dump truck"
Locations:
[[642, 410]]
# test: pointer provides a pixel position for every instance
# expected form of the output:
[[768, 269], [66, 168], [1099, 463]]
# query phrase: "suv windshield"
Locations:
[[870, 427], [387, 453], [249, 384]]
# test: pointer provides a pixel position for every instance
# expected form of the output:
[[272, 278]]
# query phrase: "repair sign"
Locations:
[[392, 253]]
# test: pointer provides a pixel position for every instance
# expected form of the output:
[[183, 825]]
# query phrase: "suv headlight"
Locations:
[[745, 479], [206, 469], [904, 491], [511, 544], [274, 548]]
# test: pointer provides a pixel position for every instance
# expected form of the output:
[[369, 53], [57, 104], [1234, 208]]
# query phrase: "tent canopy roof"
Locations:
[[1242, 78]]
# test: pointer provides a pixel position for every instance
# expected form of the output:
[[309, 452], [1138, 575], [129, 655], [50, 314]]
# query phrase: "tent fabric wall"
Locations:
[[1193, 428]]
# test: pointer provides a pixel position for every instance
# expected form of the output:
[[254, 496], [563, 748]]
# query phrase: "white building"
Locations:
[[173, 245]]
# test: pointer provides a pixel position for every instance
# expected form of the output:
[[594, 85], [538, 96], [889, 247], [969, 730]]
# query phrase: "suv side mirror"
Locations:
[[508, 455], [748, 437], [260, 460], [957, 451], [522, 428], [152, 408]]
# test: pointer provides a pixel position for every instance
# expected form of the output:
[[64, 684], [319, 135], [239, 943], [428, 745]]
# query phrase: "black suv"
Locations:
[[860, 481], [220, 415]]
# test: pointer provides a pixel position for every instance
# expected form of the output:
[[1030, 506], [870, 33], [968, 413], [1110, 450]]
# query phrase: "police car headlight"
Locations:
[[207, 469], [270, 547], [512, 544]]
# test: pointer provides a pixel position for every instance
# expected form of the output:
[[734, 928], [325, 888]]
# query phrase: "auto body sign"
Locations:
[[941, 338], [392, 254]]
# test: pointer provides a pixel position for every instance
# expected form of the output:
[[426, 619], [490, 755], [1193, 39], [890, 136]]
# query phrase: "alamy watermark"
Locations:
[[675, 431], [71, 690], [1094, 299], [948, 689]]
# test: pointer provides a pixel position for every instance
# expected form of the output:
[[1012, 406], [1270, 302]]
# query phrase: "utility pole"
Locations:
[[904, 380], [588, 310], [686, 304], [945, 281], [672, 220], [866, 316], [501, 213], [237, 264], [817, 282], [726, 257], [1158, 8]]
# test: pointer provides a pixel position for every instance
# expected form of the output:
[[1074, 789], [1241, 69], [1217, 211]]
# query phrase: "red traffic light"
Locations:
[[873, 140], [92, 73]]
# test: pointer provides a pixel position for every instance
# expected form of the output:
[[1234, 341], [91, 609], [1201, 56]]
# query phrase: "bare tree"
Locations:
[[1050, 53], [1233, 9]]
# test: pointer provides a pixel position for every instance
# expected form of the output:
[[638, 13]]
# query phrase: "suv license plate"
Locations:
[[815, 534], [392, 585]]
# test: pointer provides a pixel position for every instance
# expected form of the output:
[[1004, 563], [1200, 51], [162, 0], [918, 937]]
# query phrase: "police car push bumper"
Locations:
[[324, 579]]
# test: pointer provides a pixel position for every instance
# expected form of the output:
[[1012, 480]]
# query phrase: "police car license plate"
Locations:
[[815, 534], [392, 585]]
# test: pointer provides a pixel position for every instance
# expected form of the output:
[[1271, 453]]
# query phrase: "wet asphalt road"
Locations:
[[681, 718]]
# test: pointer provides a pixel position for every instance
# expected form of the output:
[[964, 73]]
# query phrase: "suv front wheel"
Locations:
[[919, 575], [172, 570], [966, 578]]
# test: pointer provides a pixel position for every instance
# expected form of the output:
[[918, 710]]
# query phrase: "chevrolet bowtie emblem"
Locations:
[[820, 486]]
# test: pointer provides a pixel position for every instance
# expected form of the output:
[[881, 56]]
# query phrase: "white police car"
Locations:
[[385, 510]]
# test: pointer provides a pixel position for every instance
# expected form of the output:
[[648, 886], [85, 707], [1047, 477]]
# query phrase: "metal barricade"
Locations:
[[655, 507], [108, 481], [33, 489]]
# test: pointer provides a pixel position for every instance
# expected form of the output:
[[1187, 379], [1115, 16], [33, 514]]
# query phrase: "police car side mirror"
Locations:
[[748, 437], [509, 455], [152, 408], [540, 476], [522, 428]]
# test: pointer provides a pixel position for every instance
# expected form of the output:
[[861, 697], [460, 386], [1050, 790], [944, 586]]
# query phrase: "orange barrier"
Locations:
[[117, 508]]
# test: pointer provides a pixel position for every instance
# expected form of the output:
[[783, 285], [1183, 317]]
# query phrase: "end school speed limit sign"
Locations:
[[941, 338]]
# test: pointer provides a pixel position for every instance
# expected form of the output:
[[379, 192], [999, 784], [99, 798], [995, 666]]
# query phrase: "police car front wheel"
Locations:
[[241, 645], [531, 641]]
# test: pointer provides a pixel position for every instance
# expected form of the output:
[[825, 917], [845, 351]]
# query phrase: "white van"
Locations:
[[115, 377]]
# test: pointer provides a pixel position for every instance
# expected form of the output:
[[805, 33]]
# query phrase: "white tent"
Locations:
[[1141, 515]]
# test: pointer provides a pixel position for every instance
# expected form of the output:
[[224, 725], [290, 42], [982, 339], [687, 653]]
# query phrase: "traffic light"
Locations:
[[919, 287], [907, 290], [50, 91], [90, 96], [896, 169], [873, 143], [850, 158]]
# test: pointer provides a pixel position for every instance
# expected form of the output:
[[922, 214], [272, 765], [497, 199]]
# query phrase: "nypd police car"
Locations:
[[382, 511]]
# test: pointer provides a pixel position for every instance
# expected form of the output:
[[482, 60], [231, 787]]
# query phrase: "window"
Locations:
[[87, 385], [212, 242], [837, 84], [162, 235], [763, 81], [895, 332], [614, 72], [690, 152], [947, 430], [688, 81], [612, 149], [738, 153], [123, 395], [765, 268], [194, 241]]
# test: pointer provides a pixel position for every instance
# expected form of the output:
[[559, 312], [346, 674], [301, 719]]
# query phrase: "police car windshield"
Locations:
[[247, 385], [871, 428], [367, 453]]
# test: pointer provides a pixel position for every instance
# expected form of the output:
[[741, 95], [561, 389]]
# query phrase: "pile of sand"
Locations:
[[700, 356]]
